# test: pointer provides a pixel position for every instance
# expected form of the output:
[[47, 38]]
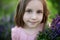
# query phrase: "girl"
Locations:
[[30, 18]]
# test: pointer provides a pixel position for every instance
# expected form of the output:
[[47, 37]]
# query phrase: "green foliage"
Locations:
[[7, 11], [44, 35], [48, 34], [56, 5], [52, 9], [7, 7]]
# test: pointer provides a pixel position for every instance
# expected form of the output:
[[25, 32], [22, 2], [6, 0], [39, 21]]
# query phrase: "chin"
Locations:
[[32, 26]]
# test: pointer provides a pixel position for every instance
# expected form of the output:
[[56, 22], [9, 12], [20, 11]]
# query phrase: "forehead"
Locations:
[[35, 4]]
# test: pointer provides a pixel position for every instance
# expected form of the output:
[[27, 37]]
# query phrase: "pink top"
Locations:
[[20, 34]]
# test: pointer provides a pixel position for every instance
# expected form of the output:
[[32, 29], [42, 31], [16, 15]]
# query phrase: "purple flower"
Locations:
[[55, 25], [58, 27]]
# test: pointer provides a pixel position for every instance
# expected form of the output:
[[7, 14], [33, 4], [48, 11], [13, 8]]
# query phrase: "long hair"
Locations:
[[21, 9]]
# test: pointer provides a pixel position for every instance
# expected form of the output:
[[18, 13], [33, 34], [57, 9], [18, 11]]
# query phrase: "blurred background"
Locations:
[[8, 10]]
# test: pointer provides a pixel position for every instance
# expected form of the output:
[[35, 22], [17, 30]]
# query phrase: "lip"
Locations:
[[32, 22]]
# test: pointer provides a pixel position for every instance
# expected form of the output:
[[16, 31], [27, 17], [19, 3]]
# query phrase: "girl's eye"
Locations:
[[39, 11], [29, 10]]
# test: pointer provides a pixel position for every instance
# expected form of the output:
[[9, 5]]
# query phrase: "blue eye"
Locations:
[[29, 10], [39, 11]]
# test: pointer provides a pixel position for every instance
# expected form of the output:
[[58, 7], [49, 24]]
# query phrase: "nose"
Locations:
[[34, 16]]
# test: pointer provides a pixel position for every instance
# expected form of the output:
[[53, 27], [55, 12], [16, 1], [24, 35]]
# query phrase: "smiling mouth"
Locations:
[[33, 22]]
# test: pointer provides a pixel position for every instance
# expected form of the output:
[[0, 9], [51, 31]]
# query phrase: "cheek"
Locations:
[[25, 17], [40, 17]]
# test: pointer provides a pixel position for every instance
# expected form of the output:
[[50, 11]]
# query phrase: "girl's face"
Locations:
[[33, 14]]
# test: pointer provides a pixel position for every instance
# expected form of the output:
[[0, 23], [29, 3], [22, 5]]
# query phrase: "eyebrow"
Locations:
[[28, 9], [40, 10]]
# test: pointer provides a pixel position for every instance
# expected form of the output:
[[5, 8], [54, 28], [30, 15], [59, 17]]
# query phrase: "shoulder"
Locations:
[[16, 29], [15, 33]]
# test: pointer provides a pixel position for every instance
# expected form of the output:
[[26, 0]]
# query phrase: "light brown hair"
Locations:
[[21, 9]]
